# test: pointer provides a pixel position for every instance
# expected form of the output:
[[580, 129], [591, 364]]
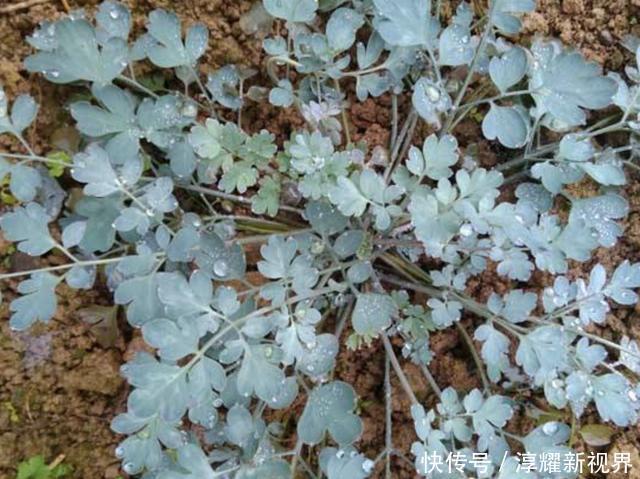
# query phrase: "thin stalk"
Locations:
[[134, 84], [264, 238], [472, 68], [307, 468], [394, 121], [358, 73], [431, 380], [343, 112], [407, 141], [474, 354], [467, 107], [200, 85], [404, 382], [66, 252], [631, 165], [231, 197], [136, 201], [63, 267], [225, 472], [25, 144], [294, 460], [346, 314], [39, 159], [495, 98], [388, 419], [409, 125]]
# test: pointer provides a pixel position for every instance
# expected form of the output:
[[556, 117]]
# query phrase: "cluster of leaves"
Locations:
[[36, 468], [343, 229]]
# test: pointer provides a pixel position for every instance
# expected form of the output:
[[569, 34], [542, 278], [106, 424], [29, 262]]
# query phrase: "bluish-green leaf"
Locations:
[[77, 55], [330, 408], [168, 50], [405, 23], [28, 226], [25, 182], [38, 302], [342, 27], [508, 69], [456, 46], [508, 125], [373, 313], [566, 84], [292, 10]]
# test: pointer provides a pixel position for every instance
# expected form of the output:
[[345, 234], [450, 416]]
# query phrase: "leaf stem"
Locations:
[[404, 382], [66, 266], [231, 197], [472, 68], [388, 431], [476, 358], [138, 86]]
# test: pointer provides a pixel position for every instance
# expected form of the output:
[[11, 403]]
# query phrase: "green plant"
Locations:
[[35, 468], [343, 231]]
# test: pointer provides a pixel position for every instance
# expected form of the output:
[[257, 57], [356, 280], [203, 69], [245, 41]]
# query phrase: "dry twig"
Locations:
[[21, 6]]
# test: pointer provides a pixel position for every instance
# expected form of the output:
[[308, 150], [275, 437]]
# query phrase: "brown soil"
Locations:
[[594, 26], [60, 385]]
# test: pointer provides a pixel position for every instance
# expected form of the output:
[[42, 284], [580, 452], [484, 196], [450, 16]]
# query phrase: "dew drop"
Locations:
[[318, 162], [119, 452], [432, 93], [317, 247], [466, 230], [340, 454], [550, 428], [129, 468], [367, 466], [189, 110], [217, 402], [221, 267], [114, 14]]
